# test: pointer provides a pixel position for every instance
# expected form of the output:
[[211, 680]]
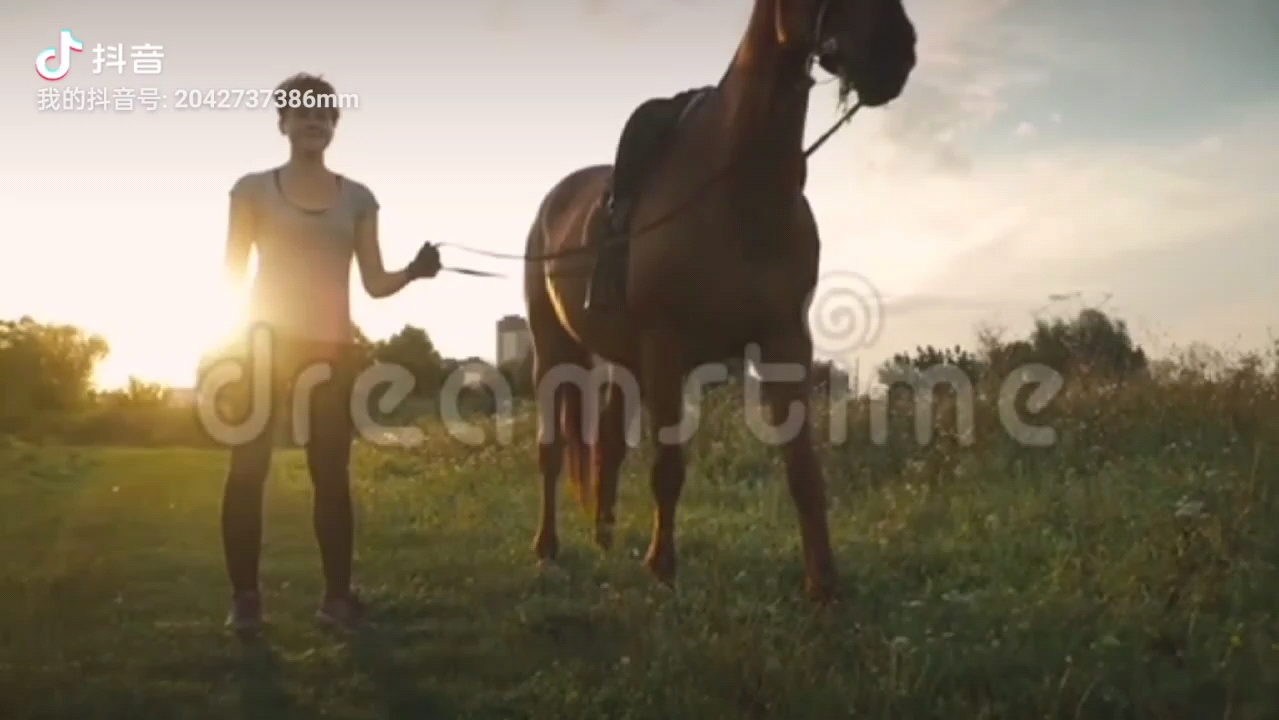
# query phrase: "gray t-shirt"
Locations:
[[302, 286]]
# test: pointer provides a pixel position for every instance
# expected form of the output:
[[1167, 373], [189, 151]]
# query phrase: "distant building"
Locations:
[[514, 340]]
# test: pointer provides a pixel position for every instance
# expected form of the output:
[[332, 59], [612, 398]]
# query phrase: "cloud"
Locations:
[[1176, 231], [622, 18], [614, 17], [1178, 227], [1117, 72], [907, 305], [502, 15], [971, 59]]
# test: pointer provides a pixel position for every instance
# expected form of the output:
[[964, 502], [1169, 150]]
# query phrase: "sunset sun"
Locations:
[[169, 351]]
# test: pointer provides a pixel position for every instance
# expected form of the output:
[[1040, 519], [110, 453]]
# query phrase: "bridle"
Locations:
[[819, 48]]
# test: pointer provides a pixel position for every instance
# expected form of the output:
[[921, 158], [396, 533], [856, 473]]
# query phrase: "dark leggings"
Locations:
[[328, 454]]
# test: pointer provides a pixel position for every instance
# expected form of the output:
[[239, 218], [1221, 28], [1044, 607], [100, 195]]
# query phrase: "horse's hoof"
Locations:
[[604, 537], [663, 589], [551, 570], [823, 592], [661, 565], [546, 548]]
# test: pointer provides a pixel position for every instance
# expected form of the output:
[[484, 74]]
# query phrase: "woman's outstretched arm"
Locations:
[[377, 281]]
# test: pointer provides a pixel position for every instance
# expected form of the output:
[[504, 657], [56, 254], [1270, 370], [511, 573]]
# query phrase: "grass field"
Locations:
[[1143, 586]]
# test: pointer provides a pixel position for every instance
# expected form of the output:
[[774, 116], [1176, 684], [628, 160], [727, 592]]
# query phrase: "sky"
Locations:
[[1042, 147]]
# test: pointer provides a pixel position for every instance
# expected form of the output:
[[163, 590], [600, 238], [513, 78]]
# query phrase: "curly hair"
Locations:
[[306, 84]]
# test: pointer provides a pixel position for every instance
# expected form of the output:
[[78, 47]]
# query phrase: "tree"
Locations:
[[929, 357], [827, 375], [147, 395], [412, 349], [364, 347], [1091, 344], [478, 391], [44, 370]]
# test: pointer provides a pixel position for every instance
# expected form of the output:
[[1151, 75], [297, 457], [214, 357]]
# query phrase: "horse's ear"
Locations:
[[794, 20]]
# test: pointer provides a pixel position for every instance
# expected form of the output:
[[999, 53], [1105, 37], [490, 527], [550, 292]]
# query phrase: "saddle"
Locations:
[[645, 138]]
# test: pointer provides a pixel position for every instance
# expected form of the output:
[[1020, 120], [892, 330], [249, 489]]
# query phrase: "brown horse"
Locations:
[[726, 259]]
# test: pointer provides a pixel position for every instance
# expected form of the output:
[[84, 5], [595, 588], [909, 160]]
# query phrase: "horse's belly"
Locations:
[[739, 308]]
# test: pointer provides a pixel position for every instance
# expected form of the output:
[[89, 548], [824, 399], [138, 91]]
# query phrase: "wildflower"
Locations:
[[1188, 509]]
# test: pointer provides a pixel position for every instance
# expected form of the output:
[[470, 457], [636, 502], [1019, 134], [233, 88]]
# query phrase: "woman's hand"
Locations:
[[426, 264]]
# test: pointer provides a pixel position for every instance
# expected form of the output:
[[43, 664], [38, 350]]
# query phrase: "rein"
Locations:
[[670, 214], [652, 225]]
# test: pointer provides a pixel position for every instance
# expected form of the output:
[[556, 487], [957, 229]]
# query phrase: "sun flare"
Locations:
[[169, 349]]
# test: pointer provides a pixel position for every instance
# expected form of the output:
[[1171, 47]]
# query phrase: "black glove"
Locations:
[[426, 264]]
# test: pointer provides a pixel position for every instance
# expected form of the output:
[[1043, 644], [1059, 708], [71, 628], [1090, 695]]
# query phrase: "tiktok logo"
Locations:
[[66, 44]]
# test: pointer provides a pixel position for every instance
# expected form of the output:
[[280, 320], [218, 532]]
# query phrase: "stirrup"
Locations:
[[604, 298], [606, 285], [616, 223], [598, 294], [610, 212]]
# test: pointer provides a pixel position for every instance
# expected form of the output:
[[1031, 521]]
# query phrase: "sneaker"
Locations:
[[246, 613], [343, 613]]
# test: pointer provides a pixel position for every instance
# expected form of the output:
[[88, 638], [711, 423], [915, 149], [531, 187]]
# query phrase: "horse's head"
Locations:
[[868, 44]]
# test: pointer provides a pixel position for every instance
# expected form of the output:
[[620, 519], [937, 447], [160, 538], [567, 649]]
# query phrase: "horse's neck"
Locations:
[[765, 98]]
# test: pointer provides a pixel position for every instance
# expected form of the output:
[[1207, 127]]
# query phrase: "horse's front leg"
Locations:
[[785, 369], [663, 376]]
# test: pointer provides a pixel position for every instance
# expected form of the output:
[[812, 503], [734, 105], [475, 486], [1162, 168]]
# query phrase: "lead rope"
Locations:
[[469, 271], [843, 120]]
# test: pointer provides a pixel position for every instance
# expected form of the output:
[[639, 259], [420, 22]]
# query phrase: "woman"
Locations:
[[307, 223]]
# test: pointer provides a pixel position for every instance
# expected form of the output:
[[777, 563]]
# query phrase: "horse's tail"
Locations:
[[577, 456]]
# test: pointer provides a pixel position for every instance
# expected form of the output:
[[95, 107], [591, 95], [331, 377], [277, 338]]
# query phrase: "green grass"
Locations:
[[1142, 585]]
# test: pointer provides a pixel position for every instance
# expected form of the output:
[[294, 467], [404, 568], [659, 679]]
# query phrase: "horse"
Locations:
[[721, 250]]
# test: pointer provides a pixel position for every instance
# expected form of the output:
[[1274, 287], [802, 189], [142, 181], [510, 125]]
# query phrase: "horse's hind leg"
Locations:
[[559, 408], [550, 460]]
